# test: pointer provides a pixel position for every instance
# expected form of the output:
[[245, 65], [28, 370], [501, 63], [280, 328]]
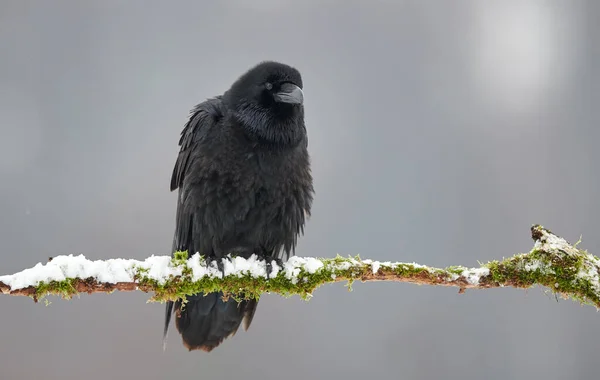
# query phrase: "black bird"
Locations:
[[245, 186]]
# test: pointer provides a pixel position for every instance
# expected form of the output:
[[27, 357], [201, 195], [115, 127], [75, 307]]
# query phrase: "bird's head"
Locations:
[[268, 102]]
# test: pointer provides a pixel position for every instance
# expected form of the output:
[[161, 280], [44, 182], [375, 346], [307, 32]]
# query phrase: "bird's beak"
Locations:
[[289, 93]]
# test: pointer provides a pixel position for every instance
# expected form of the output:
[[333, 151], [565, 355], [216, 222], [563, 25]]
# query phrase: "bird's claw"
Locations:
[[221, 266], [269, 265], [218, 263]]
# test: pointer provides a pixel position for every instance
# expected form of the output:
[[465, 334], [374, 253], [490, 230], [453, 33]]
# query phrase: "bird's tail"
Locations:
[[204, 321]]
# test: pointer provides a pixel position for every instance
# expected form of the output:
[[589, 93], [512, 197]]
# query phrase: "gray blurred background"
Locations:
[[439, 131]]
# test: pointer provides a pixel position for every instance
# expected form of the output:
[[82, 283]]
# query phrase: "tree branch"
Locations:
[[552, 262]]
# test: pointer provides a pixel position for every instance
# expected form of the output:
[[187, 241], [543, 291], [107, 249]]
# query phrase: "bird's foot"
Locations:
[[218, 263], [269, 265]]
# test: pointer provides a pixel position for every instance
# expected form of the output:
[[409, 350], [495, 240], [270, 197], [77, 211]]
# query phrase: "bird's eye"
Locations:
[[268, 86]]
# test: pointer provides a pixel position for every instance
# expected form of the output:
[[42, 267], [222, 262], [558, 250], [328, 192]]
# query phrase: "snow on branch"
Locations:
[[552, 263]]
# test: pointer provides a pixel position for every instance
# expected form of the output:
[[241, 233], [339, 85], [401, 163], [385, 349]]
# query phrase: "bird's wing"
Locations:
[[204, 116]]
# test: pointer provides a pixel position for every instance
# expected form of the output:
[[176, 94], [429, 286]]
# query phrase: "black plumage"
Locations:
[[245, 186]]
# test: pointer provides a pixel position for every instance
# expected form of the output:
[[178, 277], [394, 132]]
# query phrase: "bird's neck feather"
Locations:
[[264, 127]]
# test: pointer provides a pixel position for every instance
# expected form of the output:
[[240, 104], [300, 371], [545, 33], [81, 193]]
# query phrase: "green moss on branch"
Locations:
[[552, 263]]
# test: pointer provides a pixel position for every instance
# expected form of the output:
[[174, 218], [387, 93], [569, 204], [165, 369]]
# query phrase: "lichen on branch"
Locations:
[[552, 262]]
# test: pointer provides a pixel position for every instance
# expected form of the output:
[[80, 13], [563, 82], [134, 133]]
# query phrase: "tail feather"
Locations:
[[206, 320], [168, 311], [249, 311]]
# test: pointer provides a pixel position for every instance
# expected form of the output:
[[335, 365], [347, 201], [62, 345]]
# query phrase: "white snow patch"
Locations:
[[109, 271], [590, 273], [295, 264], [343, 265], [312, 265], [555, 244], [239, 266], [159, 268], [375, 265], [534, 265], [275, 269], [415, 265], [473, 275], [200, 270]]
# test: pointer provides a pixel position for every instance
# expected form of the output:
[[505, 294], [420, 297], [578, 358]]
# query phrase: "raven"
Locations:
[[245, 186]]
